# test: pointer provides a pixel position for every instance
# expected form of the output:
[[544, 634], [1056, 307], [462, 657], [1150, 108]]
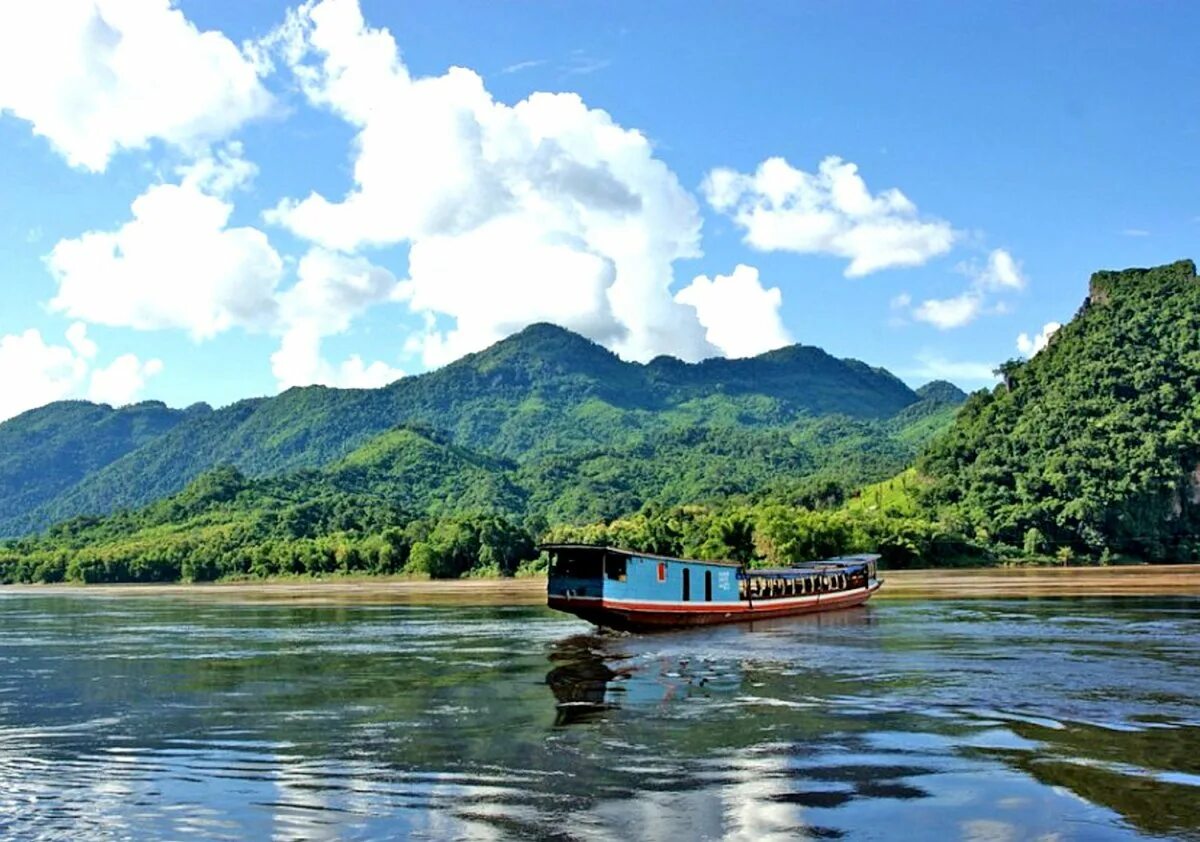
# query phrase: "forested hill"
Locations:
[[46, 451], [1093, 445], [568, 417]]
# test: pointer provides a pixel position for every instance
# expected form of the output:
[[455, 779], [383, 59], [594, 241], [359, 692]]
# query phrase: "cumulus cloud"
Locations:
[[78, 339], [122, 380], [1028, 346], [176, 263], [299, 362], [947, 313], [97, 76], [331, 290], [1000, 273], [831, 211], [34, 372], [544, 210], [740, 316]]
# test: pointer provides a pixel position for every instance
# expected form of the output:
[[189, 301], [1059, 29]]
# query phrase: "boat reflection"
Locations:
[[593, 674], [580, 679]]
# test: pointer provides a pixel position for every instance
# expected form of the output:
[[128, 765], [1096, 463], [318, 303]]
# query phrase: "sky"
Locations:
[[208, 200]]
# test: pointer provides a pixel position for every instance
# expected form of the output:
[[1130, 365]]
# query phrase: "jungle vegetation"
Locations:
[[1089, 451]]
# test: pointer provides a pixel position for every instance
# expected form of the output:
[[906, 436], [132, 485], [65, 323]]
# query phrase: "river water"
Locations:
[[146, 718]]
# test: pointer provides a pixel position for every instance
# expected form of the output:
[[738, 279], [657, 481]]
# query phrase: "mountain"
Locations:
[[550, 401], [1093, 445], [46, 451], [941, 390], [410, 500]]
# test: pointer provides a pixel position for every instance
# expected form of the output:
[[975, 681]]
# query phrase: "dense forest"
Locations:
[[1092, 446], [571, 416], [1090, 450]]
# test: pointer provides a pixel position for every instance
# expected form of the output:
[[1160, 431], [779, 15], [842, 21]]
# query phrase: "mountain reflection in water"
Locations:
[[1000, 719]]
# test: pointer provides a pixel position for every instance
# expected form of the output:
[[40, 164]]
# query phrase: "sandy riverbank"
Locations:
[[1142, 580]]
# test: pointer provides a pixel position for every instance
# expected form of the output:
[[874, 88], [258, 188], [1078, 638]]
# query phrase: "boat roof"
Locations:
[[800, 568], [804, 568], [622, 551]]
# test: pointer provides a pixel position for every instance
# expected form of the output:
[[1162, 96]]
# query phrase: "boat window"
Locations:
[[708, 586], [614, 567], [662, 571], [687, 584], [577, 564]]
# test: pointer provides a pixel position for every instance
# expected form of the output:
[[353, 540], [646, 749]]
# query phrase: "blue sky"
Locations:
[[211, 200]]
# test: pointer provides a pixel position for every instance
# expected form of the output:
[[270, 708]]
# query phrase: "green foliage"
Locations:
[[775, 533], [545, 424], [226, 525], [46, 451], [1094, 443], [1089, 450], [896, 496]]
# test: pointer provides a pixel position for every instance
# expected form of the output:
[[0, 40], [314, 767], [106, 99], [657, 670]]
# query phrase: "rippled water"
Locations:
[[983, 720]]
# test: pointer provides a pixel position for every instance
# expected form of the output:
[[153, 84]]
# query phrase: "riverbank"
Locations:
[[1140, 580]]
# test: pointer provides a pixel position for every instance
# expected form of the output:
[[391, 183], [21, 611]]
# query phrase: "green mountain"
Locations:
[[46, 451], [1093, 445], [579, 433]]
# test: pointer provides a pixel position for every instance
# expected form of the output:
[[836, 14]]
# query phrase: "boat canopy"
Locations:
[[558, 548], [795, 571]]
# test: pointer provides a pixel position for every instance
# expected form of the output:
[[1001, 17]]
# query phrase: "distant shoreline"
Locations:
[[1136, 580]]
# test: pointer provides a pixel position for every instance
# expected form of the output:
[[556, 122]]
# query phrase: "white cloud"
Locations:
[[34, 372], [98, 76], [740, 316], [502, 276], [830, 212], [121, 382], [298, 362], [78, 339], [176, 263], [542, 211], [220, 172], [947, 313], [931, 366], [1028, 346], [331, 290], [1000, 273]]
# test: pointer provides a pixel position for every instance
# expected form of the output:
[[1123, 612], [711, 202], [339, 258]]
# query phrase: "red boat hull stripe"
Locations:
[[635, 613]]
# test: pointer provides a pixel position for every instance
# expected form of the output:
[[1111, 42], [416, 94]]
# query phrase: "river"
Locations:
[[986, 719]]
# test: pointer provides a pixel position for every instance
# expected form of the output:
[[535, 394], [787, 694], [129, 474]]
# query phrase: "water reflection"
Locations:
[[1008, 719]]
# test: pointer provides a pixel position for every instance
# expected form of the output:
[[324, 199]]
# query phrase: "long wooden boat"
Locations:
[[628, 590]]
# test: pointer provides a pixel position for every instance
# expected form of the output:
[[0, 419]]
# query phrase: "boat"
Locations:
[[633, 591]]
